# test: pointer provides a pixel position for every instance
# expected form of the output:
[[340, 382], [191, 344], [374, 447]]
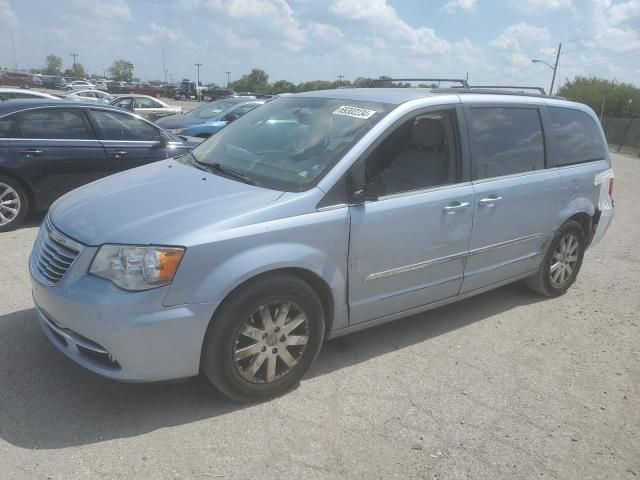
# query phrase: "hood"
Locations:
[[177, 121], [149, 203]]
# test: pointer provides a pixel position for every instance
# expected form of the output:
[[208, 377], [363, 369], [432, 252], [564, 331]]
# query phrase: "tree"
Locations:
[[257, 81], [620, 99], [283, 86], [314, 85], [77, 70], [53, 65], [121, 70]]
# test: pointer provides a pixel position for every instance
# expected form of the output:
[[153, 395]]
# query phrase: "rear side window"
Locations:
[[54, 123], [505, 141], [120, 126], [7, 127], [576, 137]]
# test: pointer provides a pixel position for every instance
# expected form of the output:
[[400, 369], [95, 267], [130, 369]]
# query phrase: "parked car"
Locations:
[[213, 92], [36, 78], [187, 90], [49, 147], [101, 85], [208, 118], [14, 93], [314, 216], [79, 85], [89, 96], [145, 89], [53, 82], [145, 106], [16, 79]]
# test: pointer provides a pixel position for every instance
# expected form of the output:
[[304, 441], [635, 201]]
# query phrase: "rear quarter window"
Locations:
[[576, 137]]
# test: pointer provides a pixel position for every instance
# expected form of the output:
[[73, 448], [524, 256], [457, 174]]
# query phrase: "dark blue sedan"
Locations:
[[49, 147]]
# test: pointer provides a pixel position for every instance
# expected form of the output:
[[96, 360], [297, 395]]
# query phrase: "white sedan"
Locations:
[[89, 96], [79, 85], [145, 106]]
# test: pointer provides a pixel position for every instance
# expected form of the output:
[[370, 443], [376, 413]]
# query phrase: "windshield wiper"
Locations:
[[229, 172]]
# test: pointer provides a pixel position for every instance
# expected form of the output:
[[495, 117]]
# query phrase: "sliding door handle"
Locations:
[[119, 154], [489, 201], [31, 152]]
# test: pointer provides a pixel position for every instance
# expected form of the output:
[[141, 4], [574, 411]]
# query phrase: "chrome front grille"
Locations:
[[53, 254]]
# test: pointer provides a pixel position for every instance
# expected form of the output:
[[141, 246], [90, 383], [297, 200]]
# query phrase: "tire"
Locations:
[[183, 97], [556, 284], [229, 357], [12, 197]]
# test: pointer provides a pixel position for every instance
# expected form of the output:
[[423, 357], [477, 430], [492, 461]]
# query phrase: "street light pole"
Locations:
[[228, 78], [198, 76], [74, 55], [340, 77], [553, 67]]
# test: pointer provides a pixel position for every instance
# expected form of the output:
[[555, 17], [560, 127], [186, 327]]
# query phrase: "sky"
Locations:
[[297, 40]]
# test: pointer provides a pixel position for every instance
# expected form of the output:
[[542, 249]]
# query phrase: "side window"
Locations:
[[144, 103], [421, 153], [505, 141], [55, 123], [124, 103], [8, 127], [239, 112], [120, 126], [576, 137]]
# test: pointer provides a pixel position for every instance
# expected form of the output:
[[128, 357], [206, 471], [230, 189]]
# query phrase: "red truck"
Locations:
[[16, 79], [145, 89]]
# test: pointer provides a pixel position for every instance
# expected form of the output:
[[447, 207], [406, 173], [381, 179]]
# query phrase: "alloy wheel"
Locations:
[[564, 260], [271, 342], [10, 204]]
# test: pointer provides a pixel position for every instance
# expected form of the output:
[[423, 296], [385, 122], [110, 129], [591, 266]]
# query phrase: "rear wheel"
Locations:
[[14, 203], [562, 261], [263, 338]]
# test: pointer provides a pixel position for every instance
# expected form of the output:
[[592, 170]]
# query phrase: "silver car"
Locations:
[[314, 216]]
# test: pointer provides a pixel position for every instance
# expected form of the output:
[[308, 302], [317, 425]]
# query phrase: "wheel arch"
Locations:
[[28, 188]]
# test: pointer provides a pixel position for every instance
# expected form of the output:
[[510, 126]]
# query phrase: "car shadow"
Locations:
[[49, 402]]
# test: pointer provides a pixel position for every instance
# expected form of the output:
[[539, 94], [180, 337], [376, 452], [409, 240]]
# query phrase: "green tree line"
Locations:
[[606, 97]]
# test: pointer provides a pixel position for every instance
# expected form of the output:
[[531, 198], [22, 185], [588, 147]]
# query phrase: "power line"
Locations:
[[608, 60]]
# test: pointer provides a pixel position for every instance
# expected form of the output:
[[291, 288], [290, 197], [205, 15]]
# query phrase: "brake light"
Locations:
[[611, 188]]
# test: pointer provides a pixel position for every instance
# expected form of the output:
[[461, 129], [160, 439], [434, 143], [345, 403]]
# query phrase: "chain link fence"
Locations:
[[623, 134]]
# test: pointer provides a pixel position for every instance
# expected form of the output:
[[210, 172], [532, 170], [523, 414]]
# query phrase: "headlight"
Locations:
[[176, 130], [137, 268]]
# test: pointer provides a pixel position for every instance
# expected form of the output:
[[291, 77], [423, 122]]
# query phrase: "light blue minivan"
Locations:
[[314, 216]]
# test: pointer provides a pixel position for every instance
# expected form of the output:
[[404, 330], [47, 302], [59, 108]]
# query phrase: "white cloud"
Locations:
[[520, 41], [453, 6], [388, 26], [540, 5], [8, 17], [160, 33]]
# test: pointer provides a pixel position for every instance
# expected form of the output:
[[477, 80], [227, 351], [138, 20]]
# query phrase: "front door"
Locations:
[[408, 248], [129, 141], [56, 149], [516, 199]]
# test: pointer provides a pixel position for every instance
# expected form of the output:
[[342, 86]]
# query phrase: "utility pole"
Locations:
[[164, 67], [130, 65], [228, 78], [340, 77], [198, 76], [555, 69], [74, 55]]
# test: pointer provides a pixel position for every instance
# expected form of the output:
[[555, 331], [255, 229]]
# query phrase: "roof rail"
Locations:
[[540, 90], [461, 81]]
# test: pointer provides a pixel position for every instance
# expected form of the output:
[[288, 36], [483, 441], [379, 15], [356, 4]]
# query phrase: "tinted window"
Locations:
[[576, 137], [7, 127], [505, 141], [419, 154], [53, 123], [120, 126]]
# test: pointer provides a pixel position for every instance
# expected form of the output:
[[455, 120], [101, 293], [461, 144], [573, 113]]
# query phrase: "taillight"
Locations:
[[611, 188]]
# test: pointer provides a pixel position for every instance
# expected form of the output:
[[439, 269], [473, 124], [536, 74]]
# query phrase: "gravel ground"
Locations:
[[504, 385]]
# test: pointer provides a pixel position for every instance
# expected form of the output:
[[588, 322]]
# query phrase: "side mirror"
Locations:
[[162, 141]]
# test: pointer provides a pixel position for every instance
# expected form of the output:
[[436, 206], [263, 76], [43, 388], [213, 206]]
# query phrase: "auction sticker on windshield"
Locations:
[[355, 112]]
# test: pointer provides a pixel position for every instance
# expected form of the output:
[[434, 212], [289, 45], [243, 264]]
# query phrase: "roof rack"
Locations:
[[461, 81], [509, 87], [494, 90]]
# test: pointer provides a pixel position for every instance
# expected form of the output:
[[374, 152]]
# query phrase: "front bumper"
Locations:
[[127, 336]]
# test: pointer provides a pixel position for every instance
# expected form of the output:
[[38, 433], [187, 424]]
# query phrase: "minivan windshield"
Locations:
[[290, 143], [211, 109]]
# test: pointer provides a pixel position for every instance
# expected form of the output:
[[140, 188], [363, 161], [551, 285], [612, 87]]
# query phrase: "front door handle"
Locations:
[[31, 152], [489, 201], [119, 154], [454, 207]]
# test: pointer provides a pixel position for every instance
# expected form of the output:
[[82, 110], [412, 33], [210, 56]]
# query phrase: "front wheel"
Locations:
[[562, 261], [14, 204], [263, 338]]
